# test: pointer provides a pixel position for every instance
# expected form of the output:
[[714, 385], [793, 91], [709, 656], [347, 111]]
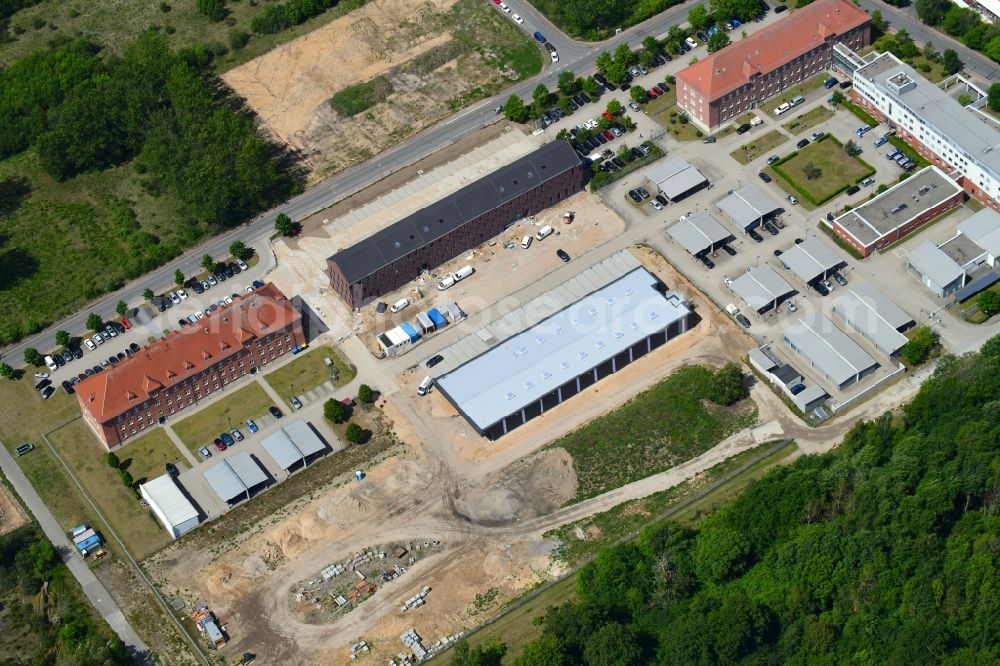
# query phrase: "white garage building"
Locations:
[[174, 511]]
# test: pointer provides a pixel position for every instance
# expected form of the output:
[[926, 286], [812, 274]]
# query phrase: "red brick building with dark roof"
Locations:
[[176, 372], [733, 80]]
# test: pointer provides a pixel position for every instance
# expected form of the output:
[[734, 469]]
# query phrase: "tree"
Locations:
[[932, 12], [95, 322], [624, 153], [238, 39], [698, 17], [112, 460], [62, 338], [33, 357], [148, 294], [674, 37], [366, 394], [213, 9], [614, 107], [515, 111], [717, 40], [546, 651], [121, 307], [354, 433], [918, 349], [811, 171], [651, 45], [728, 385], [837, 98], [638, 94], [207, 262], [540, 96], [988, 303], [851, 148], [590, 86], [238, 249], [6, 371], [335, 411], [179, 277], [603, 61], [283, 225], [951, 62], [994, 97], [903, 45], [744, 10], [566, 84], [624, 54], [617, 73], [612, 645], [466, 655]]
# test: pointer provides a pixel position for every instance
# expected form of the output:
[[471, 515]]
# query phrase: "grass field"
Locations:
[[81, 451], [309, 371], [837, 170], [115, 23], [352, 100], [146, 457], [654, 431], [808, 120], [801, 89], [228, 413], [757, 147]]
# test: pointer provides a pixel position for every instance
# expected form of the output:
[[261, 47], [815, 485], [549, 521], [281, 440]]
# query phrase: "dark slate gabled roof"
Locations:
[[444, 216]]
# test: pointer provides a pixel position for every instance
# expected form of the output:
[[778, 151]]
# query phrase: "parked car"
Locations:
[[642, 192], [67, 356], [708, 139], [296, 403], [134, 347], [562, 255], [219, 444], [47, 393], [539, 37], [173, 471], [242, 265], [251, 426], [433, 360], [68, 385], [840, 279], [792, 200], [771, 229], [821, 288], [802, 143], [24, 448], [91, 345], [797, 388], [690, 42], [742, 319], [703, 258], [772, 159], [799, 241], [656, 204], [729, 250], [205, 453], [634, 196], [816, 136], [853, 189], [756, 236], [174, 298], [830, 82], [744, 128], [237, 435], [275, 412], [227, 439], [764, 177]]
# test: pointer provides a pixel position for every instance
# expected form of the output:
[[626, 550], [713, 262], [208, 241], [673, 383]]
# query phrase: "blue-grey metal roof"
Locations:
[[811, 259], [292, 443], [747, 206], [698, 232], [934, 264], [674, 176], [234, 476], [536, 361], [870, 312], [976, 286], [442, 217], [761, 286], [828, 348]]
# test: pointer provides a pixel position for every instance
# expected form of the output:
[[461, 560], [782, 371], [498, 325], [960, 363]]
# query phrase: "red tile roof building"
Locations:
[[176, 372], [733, 80]]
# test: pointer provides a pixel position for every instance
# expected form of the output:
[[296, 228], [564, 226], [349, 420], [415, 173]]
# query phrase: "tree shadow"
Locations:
[[16, 265], [13, 192], [125, 464]]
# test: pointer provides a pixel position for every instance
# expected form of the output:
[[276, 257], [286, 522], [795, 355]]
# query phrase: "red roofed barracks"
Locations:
[[733, 80], [176, 372]]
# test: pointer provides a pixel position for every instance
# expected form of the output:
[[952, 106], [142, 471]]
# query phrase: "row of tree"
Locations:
[[963, 24], [595, 20], [276, 18], [884, 551]]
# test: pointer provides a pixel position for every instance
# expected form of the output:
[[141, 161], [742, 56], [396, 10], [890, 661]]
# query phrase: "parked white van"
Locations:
[[526, 242], [798, 99], [463, 272], [544, 232], [399, 305], [781, 109], [425, 386], [50, 364], [448, 281]]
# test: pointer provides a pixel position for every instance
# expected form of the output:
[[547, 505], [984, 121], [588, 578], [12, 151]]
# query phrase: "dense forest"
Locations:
[[597, 19], [884, 551], [44, 618]]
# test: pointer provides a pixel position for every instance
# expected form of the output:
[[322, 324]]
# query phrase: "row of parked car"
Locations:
[[44, 386], [227, 439]]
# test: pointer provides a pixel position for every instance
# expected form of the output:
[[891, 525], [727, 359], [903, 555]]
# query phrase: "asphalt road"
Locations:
[[576, 56], [93, 588]]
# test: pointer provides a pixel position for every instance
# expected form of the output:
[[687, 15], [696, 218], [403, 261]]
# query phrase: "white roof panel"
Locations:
[[674, 177], [811, 259], [934, 264], [224, 481], [169, 499], [698, 232], [280, 447], [247, 469], [871, 312], [304, 437], [747, 206], [761, 286], [828, 348], [984, 229]]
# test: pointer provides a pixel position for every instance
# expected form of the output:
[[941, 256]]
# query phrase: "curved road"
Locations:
[[573, 55]]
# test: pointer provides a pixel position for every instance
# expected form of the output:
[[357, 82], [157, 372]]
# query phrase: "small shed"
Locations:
[[424, 322], [213, 633], [174, 511], [438, 319], [454, 312]]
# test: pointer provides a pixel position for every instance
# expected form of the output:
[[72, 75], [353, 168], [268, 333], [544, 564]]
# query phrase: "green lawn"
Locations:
[[81, 451], [758, 146], [227, 414], [309, 371], [146, 457], [662, 426], [808, 120], [801, 89], [837, 170], [665, 111]]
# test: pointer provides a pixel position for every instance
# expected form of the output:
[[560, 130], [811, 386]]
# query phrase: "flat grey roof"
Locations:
[[962, 249], [762, 358], [976, 136], [934, 264], [873, 219], [810, 259], [761, 286], [807, 396], [984, 229], [747, 206], [168, 498], [874, 315], [699, 232], [292, 443], [828, 348], [674, 177], [444, 216], [523, 368], [234, 476]]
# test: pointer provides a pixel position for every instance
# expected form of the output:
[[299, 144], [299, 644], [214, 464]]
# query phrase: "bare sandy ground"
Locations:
[[12, 515]]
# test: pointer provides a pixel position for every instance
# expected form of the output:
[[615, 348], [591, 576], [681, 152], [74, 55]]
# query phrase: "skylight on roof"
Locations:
[[634, 325], [575, 321], [558, 330], [521, 351], [592, 310], [563, 364], [509, 395], [599, 344], [582, 355], [546, 374], [628, 291], [540, 339], [652, 314], [528, 385], [611, 300], [619, 335]]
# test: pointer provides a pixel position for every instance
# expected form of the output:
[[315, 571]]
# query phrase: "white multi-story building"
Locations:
[[952, 136]]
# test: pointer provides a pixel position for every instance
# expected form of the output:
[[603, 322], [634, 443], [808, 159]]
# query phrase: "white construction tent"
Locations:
[[232, 479], [170, 506], [293, 444]]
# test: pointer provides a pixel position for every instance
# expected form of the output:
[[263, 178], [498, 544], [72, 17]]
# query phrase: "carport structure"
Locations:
[[873, 315], [699, 233], [234, 477], [812, 260], [829, 350], [675, 178], [749, 207], [293, 444], [762, 288]]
